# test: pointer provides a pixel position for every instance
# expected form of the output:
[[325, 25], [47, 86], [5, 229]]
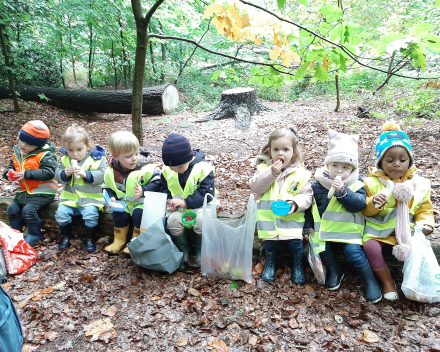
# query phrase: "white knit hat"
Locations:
[[343, 148]]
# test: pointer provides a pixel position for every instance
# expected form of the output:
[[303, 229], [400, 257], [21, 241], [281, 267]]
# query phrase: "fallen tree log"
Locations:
[[105, 228], [157, 100], [238, 103]]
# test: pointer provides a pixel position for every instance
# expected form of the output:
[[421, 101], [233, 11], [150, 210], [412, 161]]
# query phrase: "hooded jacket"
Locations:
[[195, 200], [121, 174], [44, 173]]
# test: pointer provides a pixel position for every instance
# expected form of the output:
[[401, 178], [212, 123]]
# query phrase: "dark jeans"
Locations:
[[28, 212], [354, 253], [295, 246], [122, 219]]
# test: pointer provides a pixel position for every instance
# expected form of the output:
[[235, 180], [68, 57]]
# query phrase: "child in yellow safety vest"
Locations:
[[130, 173], [186, 179], [33, 166], [81, 171], [397, 198], [337, 218], [281, 176]]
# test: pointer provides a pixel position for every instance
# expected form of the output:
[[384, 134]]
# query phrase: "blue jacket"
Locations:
[[195, 200], [352, 201]]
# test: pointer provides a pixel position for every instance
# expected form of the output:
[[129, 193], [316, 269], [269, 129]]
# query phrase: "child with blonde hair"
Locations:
[[129, 174], [390, 218], [281, 176], [81, 171]]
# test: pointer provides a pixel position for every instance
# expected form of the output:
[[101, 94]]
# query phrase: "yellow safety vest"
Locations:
[[141, 176], [383, 224], [337, 223], [79, 193], [270, 225], [197, 175]]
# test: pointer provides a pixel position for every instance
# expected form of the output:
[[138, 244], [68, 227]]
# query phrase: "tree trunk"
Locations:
[[238, 103], [338, 98], [164, 56], [156, 100], [9, 69], [114, 66], [124, 56], [91, 56]]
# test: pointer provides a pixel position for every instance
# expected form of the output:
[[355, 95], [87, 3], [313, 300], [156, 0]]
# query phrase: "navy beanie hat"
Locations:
[[176, 150]]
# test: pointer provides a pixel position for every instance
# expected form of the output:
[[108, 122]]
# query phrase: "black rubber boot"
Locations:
[[16, 225], [90, 239], [67, 233], [334, 274], [298, 276], [34, 232], [269, 266], [372, 288], [198, 249], [181, 243]]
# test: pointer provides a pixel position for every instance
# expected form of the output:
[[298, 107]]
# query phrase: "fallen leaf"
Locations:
[[155, 298], [257, 322], [370, 336], [59, 285], [259, 268], [253, 340], [193, 292], [6, 285], [279, 272], [48, 290], [111, 311], [28, 347], [273, 338], [51, 335], [182, 343], [101, 329], [34, 278], [220, 346]]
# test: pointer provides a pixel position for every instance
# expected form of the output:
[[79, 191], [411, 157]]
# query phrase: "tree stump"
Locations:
[[238, 103], [157, 100]]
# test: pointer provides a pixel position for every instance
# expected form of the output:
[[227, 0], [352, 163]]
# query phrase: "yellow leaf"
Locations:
[[325, 63], [296, 57], [275, 53], [311, 64], [370, 336], [286, 57], [275, 38], [213, 9], [182, 343], [258, 41], [155, 298], [236, 16], [245, 20], [193, 292], [228, 22]]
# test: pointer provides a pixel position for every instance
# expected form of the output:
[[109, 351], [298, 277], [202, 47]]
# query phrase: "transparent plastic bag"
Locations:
[[421, 271], [315, 261], [227, 245]]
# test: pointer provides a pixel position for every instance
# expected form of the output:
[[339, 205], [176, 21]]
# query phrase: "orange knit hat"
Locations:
[[34, 133]]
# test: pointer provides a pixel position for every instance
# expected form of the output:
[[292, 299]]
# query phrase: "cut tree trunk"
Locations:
[[105, 228], [238, 103], [157, 100]]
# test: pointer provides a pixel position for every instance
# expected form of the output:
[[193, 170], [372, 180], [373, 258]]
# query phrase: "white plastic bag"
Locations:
[[421, 272], [315, 261], [227, 245]]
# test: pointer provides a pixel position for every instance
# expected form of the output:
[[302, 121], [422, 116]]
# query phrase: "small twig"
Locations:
[[3, 111]]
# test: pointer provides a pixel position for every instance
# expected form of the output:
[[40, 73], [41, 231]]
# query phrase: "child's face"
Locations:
[[180, 169], [128, 160], [77, 150], [342, 169], [395, 162], [26, 148], [282, 149]]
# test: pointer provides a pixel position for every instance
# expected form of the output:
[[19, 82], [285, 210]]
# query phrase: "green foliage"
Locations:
[[233, 285], [42, 96], [421, 102]]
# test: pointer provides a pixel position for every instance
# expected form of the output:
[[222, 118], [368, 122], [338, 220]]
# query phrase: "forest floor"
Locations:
[[78, 301]]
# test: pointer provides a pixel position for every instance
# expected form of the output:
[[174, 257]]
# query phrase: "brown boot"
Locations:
[[136, 233], [389, 287]]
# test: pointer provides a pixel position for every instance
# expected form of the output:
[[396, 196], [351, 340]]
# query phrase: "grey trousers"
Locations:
[[175, 225]]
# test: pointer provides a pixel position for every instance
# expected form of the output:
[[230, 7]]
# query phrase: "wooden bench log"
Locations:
[[105, 228]]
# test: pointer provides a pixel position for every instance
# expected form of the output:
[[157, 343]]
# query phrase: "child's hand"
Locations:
[[277, 166], [293, 207], [69, 171], [138, 191], [175, 203], [80, 172], [307, 233], [380, 199], [427, 230], [337, 184], [113, 199], [18, 176]]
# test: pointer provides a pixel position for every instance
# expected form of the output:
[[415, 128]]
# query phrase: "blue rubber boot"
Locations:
[[90, 239], [16, 225], [372, 288], [334, 274], [298, 276], [269, 267], [34, 232], [67, 233]]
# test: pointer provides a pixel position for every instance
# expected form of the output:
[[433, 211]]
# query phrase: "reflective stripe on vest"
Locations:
[[79, 193], [33, 186], [340, 225], [197, 175], [383, 224], [270, 225], [141, 176]]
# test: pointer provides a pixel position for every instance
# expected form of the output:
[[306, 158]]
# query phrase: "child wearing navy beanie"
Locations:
[[186, 179], [33, 166]]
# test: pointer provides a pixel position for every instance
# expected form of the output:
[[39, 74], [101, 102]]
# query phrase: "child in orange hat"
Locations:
[[33, 167]]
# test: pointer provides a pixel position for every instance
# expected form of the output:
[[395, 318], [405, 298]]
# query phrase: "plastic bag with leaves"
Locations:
[[314, 259]]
